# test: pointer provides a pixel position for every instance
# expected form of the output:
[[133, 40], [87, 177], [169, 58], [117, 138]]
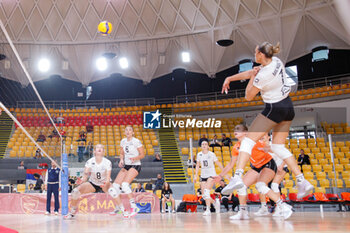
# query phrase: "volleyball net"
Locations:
[[37, 132]]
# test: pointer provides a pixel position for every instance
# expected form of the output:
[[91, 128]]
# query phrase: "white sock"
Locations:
[[300, 178], [263, 206], [243, 209]]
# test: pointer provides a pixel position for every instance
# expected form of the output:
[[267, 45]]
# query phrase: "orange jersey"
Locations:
[[258, 158]]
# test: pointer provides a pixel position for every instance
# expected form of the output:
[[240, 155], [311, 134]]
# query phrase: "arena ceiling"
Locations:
[[65, 31]]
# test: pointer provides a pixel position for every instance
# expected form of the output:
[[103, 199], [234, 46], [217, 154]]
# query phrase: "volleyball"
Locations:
[[105, 27]]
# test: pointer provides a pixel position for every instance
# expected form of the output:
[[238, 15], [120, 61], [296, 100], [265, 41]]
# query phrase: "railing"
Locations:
[[313, 83]]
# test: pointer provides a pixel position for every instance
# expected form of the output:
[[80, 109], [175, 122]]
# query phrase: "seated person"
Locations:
[[157, 158], [41, 137], [39, 183], [54, 134], [21, 166], [82, 136], [159, 183], [191, 164], [303, 159], [139, 189], [215, 142], [89, 127], [167, 196], [38, 154], [225, 141], [60, 119], [226, 198]]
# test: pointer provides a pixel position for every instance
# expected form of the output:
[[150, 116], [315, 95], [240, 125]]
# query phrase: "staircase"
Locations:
[[5, 132], [172, 164]]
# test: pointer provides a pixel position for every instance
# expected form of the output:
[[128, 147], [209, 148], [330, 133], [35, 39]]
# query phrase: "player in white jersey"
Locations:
[[96, 178], [206, 160], [271, 81], [131, 152]]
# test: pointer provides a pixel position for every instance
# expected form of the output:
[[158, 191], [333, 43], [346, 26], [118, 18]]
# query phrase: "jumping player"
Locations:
[[271, 81], [96, 178], [131, 152], [206, 160]]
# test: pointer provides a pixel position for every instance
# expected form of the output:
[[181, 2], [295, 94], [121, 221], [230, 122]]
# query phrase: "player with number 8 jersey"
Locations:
[[96, 178]]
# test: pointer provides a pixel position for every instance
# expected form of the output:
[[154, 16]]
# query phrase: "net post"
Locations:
[[335, 189], [64, 184]]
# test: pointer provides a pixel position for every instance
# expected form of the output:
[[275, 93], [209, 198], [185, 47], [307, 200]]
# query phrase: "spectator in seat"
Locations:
[[226, 198], [215, 142], [80, 151], [71, 183], [21, 166], [157, 158], [41, 137], [82, 136], [167, 196], [54, 118], [89, 150], [38, 154], [63, 133], [139, 189], [54, 134], [39, 183], [60, 119], [303, 159], [89, 127], [203, 138], [225, 141], [191, 164], [159, 183]]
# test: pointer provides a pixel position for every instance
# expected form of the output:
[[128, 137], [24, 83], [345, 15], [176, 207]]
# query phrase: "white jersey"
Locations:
[[98, 171], [207, 164], [273, 82], [130, 150]]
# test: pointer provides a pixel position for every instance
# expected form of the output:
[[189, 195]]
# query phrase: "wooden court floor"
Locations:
[[180, 222]]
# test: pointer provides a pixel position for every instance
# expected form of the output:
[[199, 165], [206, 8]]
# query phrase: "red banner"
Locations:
[[16, 203]]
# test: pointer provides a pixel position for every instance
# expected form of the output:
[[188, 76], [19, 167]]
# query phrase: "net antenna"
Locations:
[[9, 40]]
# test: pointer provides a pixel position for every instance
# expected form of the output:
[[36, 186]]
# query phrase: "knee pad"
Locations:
[[281, 151], [126, 188], [206, 194], [114, 191], [247, 145], [274, 187], [242, 191], [75, 194], [262, 188]]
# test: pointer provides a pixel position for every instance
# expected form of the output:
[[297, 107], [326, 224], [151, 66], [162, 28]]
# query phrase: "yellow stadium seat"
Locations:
[[313, 161], [331, 175], [344, 161], [324, 183], [327, 167], [315, 168], [313, 182], [338, 184], [323, 161], [319, 156], [346, 175], [347, 183], [320, 190], [308, 175], [289, 184], [344, 149], [21, 188], [315, 150], [293, 190], [307, 168], [339, 167], [320, 175]]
